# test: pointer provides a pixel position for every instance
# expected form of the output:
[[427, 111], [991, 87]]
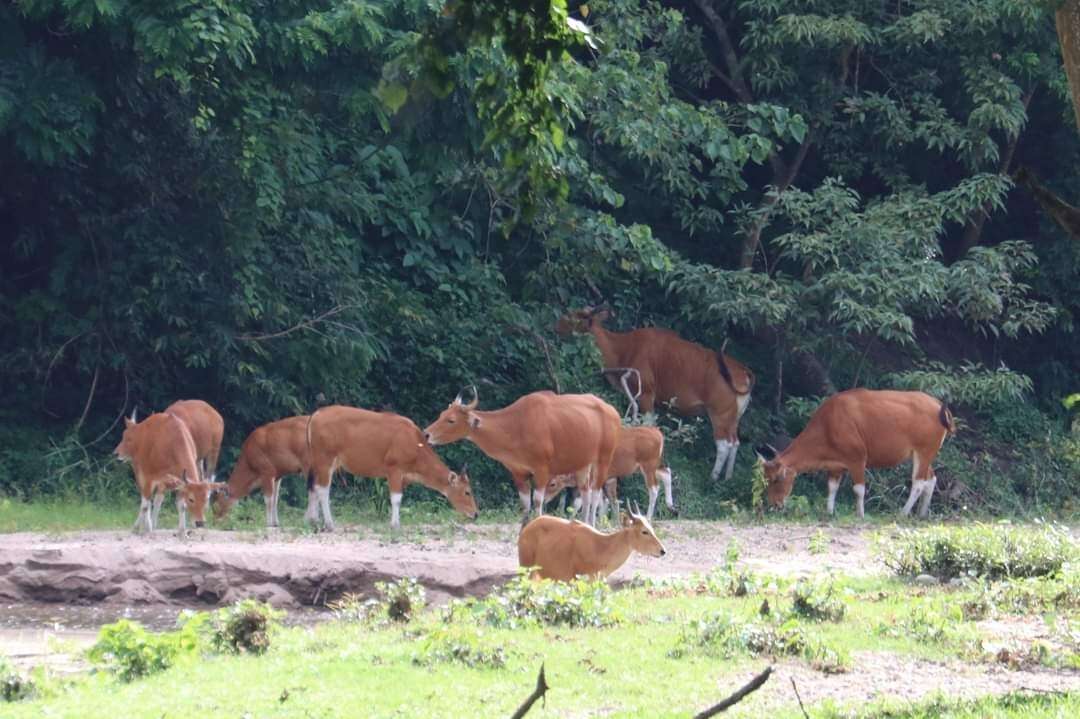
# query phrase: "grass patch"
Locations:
[[1016, 705], [980, 550]]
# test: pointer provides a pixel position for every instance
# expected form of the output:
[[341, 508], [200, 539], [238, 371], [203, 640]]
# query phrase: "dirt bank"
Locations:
[[292, 569]]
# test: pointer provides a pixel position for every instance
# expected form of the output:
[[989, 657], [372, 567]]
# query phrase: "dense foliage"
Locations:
[[274, 206]]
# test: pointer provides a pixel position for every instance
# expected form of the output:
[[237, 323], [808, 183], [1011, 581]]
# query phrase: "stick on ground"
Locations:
[[541, 689], [752, 686]]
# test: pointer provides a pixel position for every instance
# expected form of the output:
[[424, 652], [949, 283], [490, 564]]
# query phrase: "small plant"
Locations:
[[816, 602], [757, 486], [399, 601], [819, 543], [723, 635], [526, 602], [13, 686], [127, 650], [462, 645], [243, 628], [981, 550], [351, 607]]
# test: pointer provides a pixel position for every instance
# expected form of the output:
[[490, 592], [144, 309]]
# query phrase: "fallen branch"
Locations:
[[752, 686], [306, 324], [801, 707], [541, 689]]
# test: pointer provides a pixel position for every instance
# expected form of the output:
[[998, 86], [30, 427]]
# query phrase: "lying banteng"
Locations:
[[376, 444], [268, 454], [162, 456], [562, 549], [859, 429]]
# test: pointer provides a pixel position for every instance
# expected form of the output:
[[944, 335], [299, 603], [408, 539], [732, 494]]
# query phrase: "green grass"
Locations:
[[625, 670]]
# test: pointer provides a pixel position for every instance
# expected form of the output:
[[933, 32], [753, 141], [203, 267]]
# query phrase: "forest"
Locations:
[[275, 206]]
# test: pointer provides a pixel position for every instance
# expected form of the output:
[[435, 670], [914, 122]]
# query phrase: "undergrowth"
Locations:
[[524, 602]]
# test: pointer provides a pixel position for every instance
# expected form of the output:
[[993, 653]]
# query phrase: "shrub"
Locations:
[[462, 645], [399, 601], [243, 628], [980, 550], [13, 686], [128, 651], [814, 601], [525, 602], [723, 635]]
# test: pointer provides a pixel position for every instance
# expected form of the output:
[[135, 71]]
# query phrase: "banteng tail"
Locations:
[[947, 419], [743, 387]]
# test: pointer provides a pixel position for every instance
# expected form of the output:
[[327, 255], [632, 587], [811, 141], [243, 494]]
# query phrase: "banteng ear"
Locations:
[[173, 482], [625, 519], [474, 421], [452, 478]]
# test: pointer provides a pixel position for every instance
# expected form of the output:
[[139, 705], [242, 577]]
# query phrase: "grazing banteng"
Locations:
[[207, 429], [376, 444], [540, 434], [561, 549], [692, 378], [859, 429], [639, 448], [162, 456], [268, 454]]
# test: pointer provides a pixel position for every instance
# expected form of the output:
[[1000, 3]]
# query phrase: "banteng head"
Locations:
[[459, 492], [642, 537], [779, 476], [223, 501], [126, 449], [581, 321], [455, 423], [558, 483], [194, 495]]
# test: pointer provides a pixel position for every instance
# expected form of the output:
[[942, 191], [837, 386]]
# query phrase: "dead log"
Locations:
[[541, 689], [750, 687]]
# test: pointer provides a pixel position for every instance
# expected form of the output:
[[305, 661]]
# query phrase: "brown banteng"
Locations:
[[162, 456], [561, 549], [207, 429], [268, 454], [540, 434], [860, 429], [376, 444], [639, 448], [666, 368]]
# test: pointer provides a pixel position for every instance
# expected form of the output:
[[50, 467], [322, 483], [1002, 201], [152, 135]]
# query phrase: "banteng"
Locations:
[[207, 430], [540, 434], [860, 429], [664, 367], [268, 454], [376, 444]]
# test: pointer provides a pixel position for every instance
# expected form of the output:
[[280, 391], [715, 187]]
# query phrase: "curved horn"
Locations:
[[637, 508], [475, 398], [133, 411], [464, 469]]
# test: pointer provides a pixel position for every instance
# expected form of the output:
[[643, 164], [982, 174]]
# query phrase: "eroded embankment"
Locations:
[[291, 570]]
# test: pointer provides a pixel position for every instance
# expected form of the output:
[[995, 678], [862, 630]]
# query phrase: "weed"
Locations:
[[454, 643], [243, 628], [980, 550], [13, 686], [815, 601], [524, 602], [724, 636], [128, 651], [399, 601], [819, 543]]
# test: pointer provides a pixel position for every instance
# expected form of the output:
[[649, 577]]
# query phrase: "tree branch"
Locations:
[[752, 686], [306, 324], [801, 707], [541, 689], [734, 77]]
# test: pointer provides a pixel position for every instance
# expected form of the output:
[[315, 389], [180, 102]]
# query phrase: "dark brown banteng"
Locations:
[[541, 434], [207, 430], [268, 454], [376, 444], [860, 429], [667, 368], [162, 456], [561, 549]]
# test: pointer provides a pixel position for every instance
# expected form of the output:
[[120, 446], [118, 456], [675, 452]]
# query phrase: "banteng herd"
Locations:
[[548, 442]]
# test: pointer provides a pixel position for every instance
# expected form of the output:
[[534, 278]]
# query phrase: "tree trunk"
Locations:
[[1060, 211], [1068, 29]]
